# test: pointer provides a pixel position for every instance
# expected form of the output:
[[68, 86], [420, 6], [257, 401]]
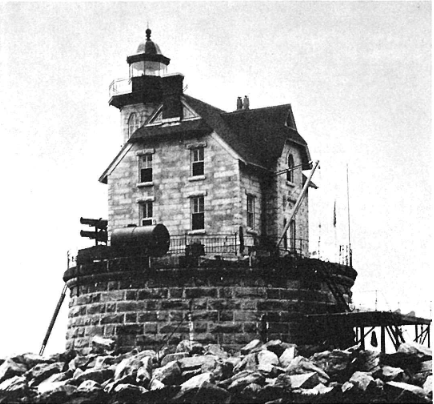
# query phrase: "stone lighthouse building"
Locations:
[[223, 184]]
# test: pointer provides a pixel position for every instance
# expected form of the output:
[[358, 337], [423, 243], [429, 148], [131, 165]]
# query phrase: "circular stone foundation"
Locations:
[[147, 304]]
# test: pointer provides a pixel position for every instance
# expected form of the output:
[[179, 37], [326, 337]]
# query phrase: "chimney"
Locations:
[[246, 103], [239, 103], [172, 91]]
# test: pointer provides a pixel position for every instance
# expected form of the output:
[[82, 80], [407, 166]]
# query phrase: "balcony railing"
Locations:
[[120, 86]]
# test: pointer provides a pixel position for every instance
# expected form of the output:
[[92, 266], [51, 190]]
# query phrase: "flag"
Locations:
[[334, 215]]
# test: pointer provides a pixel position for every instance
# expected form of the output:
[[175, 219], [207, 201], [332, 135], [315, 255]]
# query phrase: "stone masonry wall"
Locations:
[[230, 305], [173, 186]]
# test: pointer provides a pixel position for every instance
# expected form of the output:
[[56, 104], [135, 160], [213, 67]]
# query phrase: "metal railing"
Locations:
[[225, 244], [231, 244], [120, 86], [204, 244]]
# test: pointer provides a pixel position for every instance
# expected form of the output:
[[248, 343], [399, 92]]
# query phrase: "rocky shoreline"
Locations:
[[273, 372]]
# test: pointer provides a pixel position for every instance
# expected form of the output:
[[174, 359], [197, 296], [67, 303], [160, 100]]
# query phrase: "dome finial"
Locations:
[[148, 33]]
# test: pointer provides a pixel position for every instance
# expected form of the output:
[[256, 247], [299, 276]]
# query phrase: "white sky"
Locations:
[[358, 76]]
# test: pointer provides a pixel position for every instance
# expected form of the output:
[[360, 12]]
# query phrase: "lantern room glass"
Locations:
[[147, 68]]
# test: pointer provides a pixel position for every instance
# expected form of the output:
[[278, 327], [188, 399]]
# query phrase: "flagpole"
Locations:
[[334, 226], [349, 224]]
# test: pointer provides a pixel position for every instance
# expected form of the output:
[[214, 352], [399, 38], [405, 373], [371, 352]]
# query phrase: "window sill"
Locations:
[[145, 184], [197, 178], [199, 231], [251, 231], [290, 184]]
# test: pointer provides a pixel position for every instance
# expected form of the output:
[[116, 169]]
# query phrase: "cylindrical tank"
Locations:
[[153, 241]]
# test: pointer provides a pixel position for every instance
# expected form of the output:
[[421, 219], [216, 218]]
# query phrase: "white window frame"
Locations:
[[197, 156], [147, 213], [197, 207], [250, 210], [145, 163]]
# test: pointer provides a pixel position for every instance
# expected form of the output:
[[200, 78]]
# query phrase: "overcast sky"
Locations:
[[358, 77]]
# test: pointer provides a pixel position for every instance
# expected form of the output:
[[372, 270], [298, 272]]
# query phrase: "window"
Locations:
[[250, 211], [133, 124], [147, 213], [197, 163], [197, 213], [292, 234], [290, 172], [145, 168]]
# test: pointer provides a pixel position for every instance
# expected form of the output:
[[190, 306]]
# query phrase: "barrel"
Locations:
[[153, 241]]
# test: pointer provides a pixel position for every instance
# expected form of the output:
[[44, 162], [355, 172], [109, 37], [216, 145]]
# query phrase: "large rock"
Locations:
[[405, 393], [97, 375], [14, 387], [216, 350], [287, 356], [129, 393], [336, 363], [389, 373], [254, 344], [249, 362], [362, 380], [58, 395], [130, 365], [195, 362], [31, 359], [300, 365], [207, 393], [192, 347], [415, 349], [51, 383], [304, 381], [10, 368], [317, 394], [89, 386], [367, 361], [427, 386], [168, 374], [173, 357], [242, 379], [266, 357], [277, 346], [197, 381], [43, 371], [144, 373]]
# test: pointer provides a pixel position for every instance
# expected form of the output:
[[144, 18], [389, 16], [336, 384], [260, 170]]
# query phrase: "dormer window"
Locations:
[[133, 124], [197, 161], [290, 172]]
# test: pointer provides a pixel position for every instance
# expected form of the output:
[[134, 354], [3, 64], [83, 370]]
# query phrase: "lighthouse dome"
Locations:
[[149, 47]]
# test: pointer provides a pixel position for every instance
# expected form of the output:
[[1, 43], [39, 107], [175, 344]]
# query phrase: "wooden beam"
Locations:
[[383, 339]]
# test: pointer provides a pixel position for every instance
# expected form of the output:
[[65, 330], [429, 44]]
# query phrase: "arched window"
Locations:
[[133, 124], [290, 172]]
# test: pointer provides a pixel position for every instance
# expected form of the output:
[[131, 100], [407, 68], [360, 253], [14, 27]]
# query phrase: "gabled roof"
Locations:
[[257, 135]]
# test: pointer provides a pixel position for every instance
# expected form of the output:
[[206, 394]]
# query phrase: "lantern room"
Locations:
[[148, 61]]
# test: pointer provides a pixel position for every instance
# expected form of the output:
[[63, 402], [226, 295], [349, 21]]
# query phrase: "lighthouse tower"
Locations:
[[139, 95]]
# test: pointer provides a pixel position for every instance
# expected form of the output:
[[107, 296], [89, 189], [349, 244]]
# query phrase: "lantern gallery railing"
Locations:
[[120, 86]]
